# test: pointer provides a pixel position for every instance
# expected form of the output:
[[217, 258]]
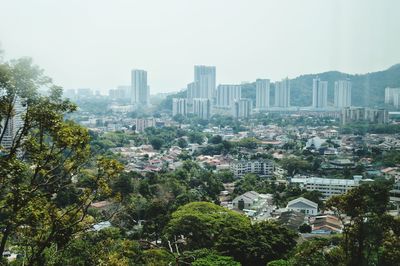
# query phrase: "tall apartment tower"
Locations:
[[242, 108], [179, 106], [12, 127], [227, 94], [282, 93], [192, 92], [202, 108], [391, 95], [320, 94], [204, 77], [342, 93], [140, 91], [262, 93]]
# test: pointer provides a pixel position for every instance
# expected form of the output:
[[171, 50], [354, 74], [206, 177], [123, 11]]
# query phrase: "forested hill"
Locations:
[[367, 89]]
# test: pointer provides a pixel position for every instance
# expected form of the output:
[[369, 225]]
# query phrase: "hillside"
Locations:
[[367, 89]]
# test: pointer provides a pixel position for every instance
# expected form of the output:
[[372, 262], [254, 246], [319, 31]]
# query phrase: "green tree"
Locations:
[[46, 154], [215, 260], [156, 142], [365, 232], [256, 244], [202, 223]]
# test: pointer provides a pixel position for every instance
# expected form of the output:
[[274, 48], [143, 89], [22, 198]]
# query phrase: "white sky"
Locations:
[[95, 43]]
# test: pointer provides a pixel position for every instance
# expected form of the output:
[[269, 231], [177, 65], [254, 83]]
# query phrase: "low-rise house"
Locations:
[[326, 224], [303, 205]]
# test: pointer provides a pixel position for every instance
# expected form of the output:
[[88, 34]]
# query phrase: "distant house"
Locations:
[[303, 205], [326, 224], [246, 200], [291, 219]]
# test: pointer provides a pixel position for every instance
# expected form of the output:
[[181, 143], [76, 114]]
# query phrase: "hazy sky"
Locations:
[[95, 43]]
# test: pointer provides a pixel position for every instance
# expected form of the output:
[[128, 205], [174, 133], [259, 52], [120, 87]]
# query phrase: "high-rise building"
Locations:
[[204, 76], [140, 91], [282, 93], [320, 94], [392, 95], [12, 126], [342, 93], [242, 108], [202, 107], [360, 114], [227, 94], [262, 93], [179, 106], [192, 92], [120, 93]]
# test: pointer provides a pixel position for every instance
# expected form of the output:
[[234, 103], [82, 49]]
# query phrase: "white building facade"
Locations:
[[262, 94], [320, 94], [342, 93]]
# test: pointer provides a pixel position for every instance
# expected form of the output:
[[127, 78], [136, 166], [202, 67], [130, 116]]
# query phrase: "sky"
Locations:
[[96, 43]]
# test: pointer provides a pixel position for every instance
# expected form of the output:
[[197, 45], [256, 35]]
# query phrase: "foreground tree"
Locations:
[[202, 223], [370, 233], [38, 166], [256, 244]]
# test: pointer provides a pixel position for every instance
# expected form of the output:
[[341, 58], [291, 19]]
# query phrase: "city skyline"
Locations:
[[260, 45]]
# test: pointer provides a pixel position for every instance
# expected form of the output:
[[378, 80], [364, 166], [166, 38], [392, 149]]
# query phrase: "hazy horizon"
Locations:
[[95, 44]]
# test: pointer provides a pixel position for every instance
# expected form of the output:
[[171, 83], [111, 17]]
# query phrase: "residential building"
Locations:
[[326, 224], [282, 93], [262, 94], [260, 167], [143, 123], [242, 108], [179, 106], [202, 107], [205, 77], [12, 126], [320, 94], [391, 95], [227, 94], [120, 93], [327, 186], [303, 205], [140, 91], [359, 114], [192, 92], [342, 93]]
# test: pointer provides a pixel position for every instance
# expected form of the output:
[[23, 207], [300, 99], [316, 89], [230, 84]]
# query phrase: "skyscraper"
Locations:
[[202, 108], [282, 93], [140, 91], [342, 93], [227, 94], [11, 128], [320, 94], [262, 93], [391, 95], [192, 92], [179, 106], [242, 108], [204, 76]]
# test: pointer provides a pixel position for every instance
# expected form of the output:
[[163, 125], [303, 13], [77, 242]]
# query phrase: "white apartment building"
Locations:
[[320, 94], [327, 186], [242, 108], [202, 107], [342, 94], [391, 94], [227, 94], [282, 93], [143, 123], [140, 91], [260, 167], [205, 79], [179, 106], [14, 124], [262, 93]]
